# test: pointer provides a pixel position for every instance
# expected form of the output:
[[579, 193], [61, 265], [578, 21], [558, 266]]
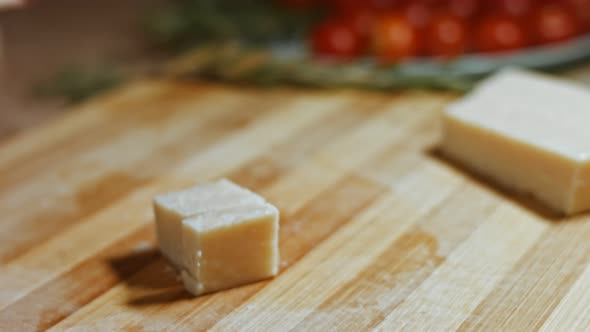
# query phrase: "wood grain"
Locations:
[[378, 232]]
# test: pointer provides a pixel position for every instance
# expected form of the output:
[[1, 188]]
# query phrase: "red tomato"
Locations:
[[582, 10], [554, 23], [511, 7], [418, 14], [499, 33], [337, 39], [382, 4], [464, 8], [394, 39], [362, 20], [431, 3], [447, 36]]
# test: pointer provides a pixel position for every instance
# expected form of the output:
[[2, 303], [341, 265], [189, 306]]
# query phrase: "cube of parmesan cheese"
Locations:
[[172, 208], [528, 132], [228, 248]]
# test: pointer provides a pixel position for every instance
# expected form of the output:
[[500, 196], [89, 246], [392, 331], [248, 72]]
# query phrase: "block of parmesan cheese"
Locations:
[[228, 248], [172, 208], [528, 132]]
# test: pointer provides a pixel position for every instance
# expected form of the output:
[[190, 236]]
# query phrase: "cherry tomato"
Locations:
[[382, 4], [464, 8], [431, 3], [362, 20], [582, 10], [447, 36], [554, 23], [511, 7], [394, 38], [497, 33], [418, 14], [337, 39]]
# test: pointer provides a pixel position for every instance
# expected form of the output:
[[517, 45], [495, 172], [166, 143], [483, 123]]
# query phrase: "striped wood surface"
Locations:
[[377, 231]]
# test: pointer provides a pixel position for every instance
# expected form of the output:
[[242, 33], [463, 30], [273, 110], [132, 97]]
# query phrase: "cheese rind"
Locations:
[[170, 209], [528, 133], [228, 248]]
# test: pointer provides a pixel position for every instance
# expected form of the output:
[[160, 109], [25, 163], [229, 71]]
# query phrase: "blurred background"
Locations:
[[40, 38], [58, 52]]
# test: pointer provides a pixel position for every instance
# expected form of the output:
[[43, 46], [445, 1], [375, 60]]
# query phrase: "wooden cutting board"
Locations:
[[377, 230]]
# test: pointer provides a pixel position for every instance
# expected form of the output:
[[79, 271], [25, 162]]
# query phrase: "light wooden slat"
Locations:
[[117, 298], [285, 244], [289, 299], [403, 266], [292, 150], [300, 176], [454, 289], [293, 153], [132, 212], [44, 249], [89, 124], [374, 136], [377, 229], [69, 192], [556, 261], [573, 312], [297, 292], [159, 115], [60, 297]]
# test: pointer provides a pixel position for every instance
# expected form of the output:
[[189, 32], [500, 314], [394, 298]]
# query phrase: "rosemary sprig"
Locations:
[[244, 65], [75, 83], [234, 63], [187, 23], [228, 41]]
